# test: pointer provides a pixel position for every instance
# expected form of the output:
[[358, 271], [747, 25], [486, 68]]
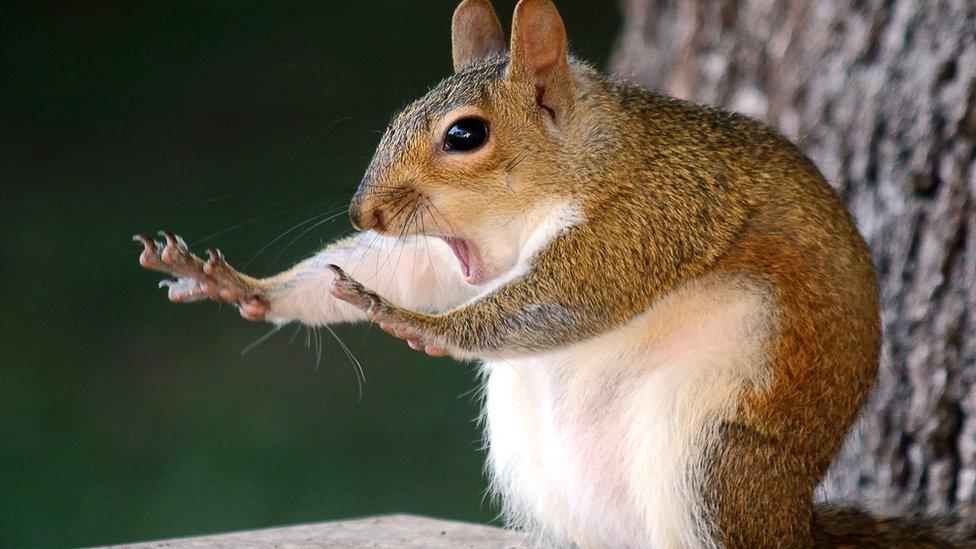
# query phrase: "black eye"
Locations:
[[466, 134]]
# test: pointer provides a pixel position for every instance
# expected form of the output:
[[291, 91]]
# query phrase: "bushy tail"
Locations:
[[847, 527]]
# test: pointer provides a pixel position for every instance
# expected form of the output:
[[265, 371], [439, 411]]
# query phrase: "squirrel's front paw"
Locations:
[[352, 292], [390, 318], [198, 279]]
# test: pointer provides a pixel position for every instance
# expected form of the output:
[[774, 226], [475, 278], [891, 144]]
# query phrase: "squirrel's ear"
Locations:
[[540, 54], [476, 33]]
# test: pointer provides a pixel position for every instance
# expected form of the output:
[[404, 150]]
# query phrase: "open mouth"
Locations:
[[464, 256]]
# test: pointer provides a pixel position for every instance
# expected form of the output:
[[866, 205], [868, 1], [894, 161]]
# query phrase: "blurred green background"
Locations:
[[124, 417]]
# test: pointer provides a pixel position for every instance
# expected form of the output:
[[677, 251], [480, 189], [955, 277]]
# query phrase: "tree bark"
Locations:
[[882, 96]]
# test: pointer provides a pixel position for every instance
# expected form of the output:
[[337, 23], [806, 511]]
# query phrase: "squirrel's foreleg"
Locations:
[[413, 327], [424, 279], [500, 323]]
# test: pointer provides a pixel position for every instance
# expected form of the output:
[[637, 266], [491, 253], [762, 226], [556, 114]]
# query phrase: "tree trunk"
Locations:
[[882, 96]]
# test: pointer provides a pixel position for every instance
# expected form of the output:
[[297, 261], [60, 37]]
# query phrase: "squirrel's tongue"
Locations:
[[460, 249]]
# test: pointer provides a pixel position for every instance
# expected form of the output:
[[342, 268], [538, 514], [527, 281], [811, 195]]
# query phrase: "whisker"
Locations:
[[376, 234], [211, 200], [261, 339], [396, 216], [298, 330], [380, 189], [329, 159], [430, 260], [318, 348], [303, 233], [516, 161], [444, 217], [413, 270], [282, 235], [357, 365], [403, 236], [398, 242], [249, 222]]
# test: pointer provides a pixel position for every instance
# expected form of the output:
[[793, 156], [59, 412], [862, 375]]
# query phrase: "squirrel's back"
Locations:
[[792, 232]]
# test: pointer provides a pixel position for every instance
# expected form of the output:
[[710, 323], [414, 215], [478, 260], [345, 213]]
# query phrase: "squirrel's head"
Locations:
[[476, 158]]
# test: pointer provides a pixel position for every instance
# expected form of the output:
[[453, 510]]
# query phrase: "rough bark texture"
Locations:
[[882, 96]]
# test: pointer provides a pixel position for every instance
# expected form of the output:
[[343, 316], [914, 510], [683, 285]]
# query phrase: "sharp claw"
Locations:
[[197, 279], [146, 241], [150, 249], [215, 265], [351, 291], [150, 245], [173, 239], [150, 256]]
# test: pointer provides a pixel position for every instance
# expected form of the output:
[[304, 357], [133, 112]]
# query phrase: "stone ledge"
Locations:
[[381, 532]]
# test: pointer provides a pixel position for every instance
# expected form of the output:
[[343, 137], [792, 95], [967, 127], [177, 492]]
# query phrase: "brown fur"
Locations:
[[670, 191], [823, 365]]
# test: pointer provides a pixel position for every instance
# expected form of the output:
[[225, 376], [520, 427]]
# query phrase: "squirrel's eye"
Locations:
[[466, 134]]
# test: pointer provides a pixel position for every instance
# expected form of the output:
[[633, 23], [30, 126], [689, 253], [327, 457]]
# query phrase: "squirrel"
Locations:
[[677, 318]]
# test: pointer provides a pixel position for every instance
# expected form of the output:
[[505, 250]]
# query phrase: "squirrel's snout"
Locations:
[[365, 219]]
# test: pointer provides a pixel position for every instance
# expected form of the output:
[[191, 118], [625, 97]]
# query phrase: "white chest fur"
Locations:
[[598, 443]]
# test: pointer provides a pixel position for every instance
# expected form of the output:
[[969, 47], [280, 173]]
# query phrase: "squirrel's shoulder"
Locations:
[[672, 114]]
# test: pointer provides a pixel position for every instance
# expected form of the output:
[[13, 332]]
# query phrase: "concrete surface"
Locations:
[[391, 531]]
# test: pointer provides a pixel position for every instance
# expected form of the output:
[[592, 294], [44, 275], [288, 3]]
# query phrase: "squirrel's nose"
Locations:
[[365, 219]]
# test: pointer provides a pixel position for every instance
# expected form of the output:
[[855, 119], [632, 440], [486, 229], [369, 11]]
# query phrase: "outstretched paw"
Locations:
[[349, 290], [198, 279], [390, 318]]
